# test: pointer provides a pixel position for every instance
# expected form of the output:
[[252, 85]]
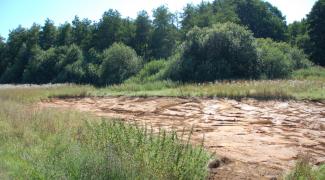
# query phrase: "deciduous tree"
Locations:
[[316, 22]]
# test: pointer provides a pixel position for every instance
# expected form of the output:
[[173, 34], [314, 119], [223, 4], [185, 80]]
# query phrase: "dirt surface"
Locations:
[[261, 139]]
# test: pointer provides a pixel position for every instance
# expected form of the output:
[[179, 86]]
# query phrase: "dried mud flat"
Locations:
[[261, 139]]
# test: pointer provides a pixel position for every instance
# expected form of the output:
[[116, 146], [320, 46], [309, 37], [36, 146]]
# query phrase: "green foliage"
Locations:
[[142, 34], [261, 89], [13, 72], [152, 71], [82, 33], [311, 73], [75, 52], [164, 35], [16, 39], [62, 64], [40, 67], [56, 144], [14, 56], [298, 35], [316, 32], [3, 61], [304, 171], [65, 35], [279, 60], [206, 14], [224, 51], [74, 72], [265, 20], [108, 30], [33, 35], [48, 36], [119, 63], [72, 66]]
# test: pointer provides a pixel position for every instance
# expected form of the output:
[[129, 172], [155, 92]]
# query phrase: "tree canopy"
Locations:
[[204, 42], [316, 22]]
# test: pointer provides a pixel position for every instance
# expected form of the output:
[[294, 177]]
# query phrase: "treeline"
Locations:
[[223, 39]]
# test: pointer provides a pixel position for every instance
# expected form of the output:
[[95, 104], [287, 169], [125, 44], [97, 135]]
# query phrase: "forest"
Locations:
[[223, 39]]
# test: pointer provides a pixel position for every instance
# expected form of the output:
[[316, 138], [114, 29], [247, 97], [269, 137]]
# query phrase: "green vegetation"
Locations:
[[217, 40], [224, 51], [277, 89], [49, 143], [55, 144], [303, 170], [316, 29], [119, 63], [224, 48], [32, 95], [312, 73], [152, 71], [279, 60], [265, 20]]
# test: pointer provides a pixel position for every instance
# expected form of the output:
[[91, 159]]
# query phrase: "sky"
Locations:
[[26, 12]]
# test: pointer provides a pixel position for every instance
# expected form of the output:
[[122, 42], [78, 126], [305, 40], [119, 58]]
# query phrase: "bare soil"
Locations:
[[261, 139]]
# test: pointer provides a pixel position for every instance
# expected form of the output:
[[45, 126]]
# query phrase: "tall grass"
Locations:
[[312, 73], [267, 89], [26, 94], [304, 171], [307, 84], [52, 144]]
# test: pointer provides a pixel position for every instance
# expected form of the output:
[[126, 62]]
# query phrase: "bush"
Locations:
[[119, 63], [74, 72], [312, 73], [225, 51], [279, 59], [151, 71]]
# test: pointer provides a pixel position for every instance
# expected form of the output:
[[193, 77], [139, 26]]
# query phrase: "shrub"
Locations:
[[74, 72], [279, 59], [225, 51], [92, 73], [311, 73], [152, 71], [119, 63]]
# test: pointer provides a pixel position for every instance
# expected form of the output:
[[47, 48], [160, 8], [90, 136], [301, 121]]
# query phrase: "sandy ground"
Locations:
[[262, 139]]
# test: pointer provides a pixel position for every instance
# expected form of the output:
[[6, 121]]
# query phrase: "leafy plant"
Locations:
[[119, 63]]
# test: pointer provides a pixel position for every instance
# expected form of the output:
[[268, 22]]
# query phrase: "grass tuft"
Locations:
[[304, 171]]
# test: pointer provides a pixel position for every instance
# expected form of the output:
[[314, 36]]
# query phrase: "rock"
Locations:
[[213, 164]]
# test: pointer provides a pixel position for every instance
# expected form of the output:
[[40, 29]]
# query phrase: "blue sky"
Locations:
[[26, 12]]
